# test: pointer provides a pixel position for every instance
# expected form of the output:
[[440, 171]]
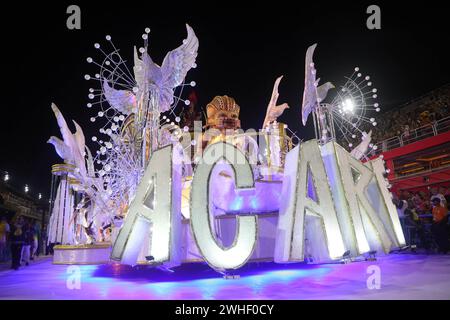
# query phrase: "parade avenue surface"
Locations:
[[403, 276]]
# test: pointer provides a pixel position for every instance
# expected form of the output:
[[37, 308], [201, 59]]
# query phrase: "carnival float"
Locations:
[[163, 189]]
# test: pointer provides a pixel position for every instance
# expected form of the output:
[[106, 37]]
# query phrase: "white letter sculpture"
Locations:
[[213, 252], [304, 161], [154, 214]]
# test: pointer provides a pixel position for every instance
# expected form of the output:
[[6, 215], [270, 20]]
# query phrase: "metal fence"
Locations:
[[429, 130]]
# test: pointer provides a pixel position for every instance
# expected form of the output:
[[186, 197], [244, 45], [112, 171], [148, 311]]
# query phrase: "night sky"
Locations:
[[243, 49]]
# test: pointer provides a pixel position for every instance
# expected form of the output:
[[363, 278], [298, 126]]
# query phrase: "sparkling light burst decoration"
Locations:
[[354, 109]]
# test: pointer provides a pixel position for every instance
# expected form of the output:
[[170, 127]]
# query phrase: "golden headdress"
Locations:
[[222, 107]]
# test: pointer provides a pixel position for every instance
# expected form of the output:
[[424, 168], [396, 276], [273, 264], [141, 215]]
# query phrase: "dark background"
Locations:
[[244, 46]]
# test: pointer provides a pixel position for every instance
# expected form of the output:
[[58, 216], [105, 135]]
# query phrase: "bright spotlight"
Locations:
[[26, 189], [348, 105]]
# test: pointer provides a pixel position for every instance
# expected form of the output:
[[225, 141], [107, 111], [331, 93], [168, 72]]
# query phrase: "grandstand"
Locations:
[[414, 140]]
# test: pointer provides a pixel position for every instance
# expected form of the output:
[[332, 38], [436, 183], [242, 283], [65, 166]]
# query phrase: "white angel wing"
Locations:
[[273, 100], [145, 69], [360, 151], [79, 138], [123, 101], [178, 62], [65, 131], [68, 138], [274, 111], [309, 92]]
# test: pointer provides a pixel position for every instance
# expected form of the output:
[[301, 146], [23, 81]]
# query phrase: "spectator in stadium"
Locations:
[[27, 242], [16, 242], [403, 213], [445, 191], [439, 227], [4, 234], [435, 194]]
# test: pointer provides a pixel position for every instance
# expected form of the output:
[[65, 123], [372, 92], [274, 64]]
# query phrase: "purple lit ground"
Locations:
[[403, 276]]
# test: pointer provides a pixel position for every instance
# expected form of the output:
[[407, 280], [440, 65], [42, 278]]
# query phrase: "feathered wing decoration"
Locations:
[[79, 138], [274, 111], [175, 66], [63, 128], [150, 76], [309, 92], [360, 151], [123, 101], [71, 148]]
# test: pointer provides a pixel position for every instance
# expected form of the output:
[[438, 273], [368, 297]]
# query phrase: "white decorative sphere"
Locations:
[[92, 119], [108, 37], [87, 77], [193, 84], [89, 60], [97, 46], [147, 30], [177, 119], [94, 138]]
